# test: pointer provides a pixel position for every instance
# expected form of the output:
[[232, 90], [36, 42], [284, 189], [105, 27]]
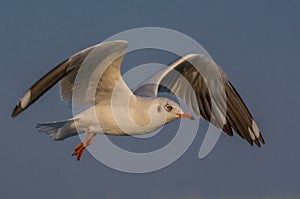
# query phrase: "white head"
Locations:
[[148, 114], [164, 110]]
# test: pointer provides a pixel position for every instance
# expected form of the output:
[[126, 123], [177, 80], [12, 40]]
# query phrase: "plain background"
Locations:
[[255, 42]]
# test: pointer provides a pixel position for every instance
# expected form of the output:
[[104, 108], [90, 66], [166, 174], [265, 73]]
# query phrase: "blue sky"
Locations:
[[255, 42]]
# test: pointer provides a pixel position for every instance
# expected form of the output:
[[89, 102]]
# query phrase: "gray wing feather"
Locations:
[[203, 86], [67, 72], [67, 83]]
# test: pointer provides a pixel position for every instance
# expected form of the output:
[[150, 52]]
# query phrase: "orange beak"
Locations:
[[185, 115]]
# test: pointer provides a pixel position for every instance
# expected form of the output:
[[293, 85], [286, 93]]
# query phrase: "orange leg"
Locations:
[[81, 147], [90, 141]]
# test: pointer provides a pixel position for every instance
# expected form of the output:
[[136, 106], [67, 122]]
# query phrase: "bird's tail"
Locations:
[[58, 130]]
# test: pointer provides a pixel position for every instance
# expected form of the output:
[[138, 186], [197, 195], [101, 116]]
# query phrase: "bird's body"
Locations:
[[91, 83], [134, 122]]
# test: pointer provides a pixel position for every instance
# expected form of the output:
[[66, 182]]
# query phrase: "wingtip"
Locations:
[[261, 139], [257, 143], [18, 109]]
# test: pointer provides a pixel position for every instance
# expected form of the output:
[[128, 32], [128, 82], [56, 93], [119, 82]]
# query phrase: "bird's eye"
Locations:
[[169, 108]]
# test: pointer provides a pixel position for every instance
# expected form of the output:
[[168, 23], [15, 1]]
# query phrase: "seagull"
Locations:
[[91, 83]]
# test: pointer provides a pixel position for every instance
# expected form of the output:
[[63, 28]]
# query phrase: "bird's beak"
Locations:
[[185, 115]]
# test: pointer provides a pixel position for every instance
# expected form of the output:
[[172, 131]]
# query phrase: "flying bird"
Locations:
[[91, 83]]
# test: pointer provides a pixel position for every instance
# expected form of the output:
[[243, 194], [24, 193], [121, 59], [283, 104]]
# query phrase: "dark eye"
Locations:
[[169, 108]]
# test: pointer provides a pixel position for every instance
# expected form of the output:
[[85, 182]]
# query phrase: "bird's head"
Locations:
[[148, 114], [170, 110]]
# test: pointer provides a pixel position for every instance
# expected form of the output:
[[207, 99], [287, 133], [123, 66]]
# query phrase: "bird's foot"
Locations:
[[79, 151], [81, 147]]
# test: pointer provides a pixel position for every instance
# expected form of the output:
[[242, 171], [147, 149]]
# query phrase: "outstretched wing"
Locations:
[[203, 86], [105, 57]]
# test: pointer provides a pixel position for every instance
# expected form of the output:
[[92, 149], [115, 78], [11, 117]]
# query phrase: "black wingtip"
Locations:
[[257, 142], [18, 109], [261, 139]]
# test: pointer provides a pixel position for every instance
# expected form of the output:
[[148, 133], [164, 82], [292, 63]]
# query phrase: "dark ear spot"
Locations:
[[159, 109]]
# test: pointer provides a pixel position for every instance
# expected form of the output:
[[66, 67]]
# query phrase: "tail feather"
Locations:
[[58, 130]]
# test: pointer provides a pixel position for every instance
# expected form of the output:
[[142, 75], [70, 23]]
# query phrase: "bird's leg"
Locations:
[[81, 147], [90, 141]]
